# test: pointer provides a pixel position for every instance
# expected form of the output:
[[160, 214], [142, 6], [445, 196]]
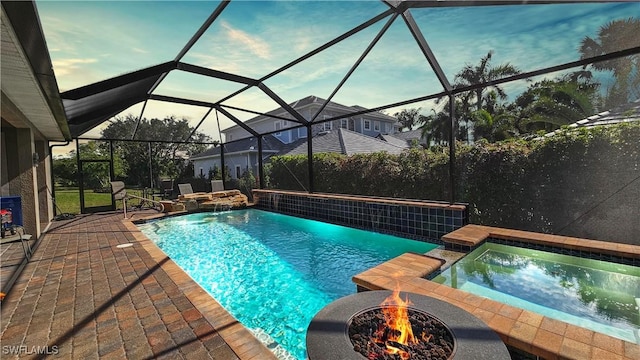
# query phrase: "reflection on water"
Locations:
[[602, 292]]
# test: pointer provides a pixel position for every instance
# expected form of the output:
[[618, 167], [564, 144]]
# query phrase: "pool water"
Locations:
[[273, 272], [601, 296]]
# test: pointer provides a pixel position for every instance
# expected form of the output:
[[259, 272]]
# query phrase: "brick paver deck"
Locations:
[[81, 297]]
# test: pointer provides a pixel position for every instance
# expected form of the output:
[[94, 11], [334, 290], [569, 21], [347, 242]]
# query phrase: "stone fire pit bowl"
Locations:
[[328, 338]]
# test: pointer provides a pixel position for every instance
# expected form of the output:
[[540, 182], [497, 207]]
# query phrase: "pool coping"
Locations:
[[522, 329], [241, 341], [364, 198]]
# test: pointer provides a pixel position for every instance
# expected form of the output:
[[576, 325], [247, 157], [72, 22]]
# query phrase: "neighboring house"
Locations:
[[624, 113], [371, 124], [32, 115], [238, 156], [241, 150]]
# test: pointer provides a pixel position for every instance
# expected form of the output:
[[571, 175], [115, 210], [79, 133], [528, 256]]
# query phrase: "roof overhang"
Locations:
[[89, 106], [30, 96]]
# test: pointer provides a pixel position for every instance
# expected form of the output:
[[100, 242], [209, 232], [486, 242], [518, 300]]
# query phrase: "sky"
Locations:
[[91, 41]]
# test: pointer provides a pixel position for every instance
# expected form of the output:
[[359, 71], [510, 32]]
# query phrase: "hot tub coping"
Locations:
[[473, 235]]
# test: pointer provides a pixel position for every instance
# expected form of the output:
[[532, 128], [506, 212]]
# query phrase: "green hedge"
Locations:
[[542, 185]]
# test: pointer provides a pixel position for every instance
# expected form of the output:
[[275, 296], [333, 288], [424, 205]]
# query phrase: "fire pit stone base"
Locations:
[[328, 338]]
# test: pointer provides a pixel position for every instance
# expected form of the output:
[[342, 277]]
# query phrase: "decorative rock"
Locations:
[[219, 200]]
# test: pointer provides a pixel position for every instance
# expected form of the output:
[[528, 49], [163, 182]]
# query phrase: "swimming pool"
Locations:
[[601, 296], [273, 272]]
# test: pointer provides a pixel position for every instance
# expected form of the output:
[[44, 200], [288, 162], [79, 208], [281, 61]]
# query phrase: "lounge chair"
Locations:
[[185, 189], [217, 185]]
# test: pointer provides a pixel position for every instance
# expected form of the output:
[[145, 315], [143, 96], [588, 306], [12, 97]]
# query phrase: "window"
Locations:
[[278, 125], [229, 137], [201, 172], [387, 128], [302, 132], [238, 174], [367, 124], [343, 123], [376, 126], [327, 126]]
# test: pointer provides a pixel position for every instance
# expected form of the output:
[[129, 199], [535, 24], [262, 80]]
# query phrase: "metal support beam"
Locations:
[[236, 120], [199, 123], [222, 167], [195, 69], [310, 157], [214, 15], [260, 164], [452, 149], [426, 50], [135, 130], [298, 118], [356, 64]]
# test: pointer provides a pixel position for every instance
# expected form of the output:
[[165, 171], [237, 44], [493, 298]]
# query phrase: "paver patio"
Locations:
[[82, 297]]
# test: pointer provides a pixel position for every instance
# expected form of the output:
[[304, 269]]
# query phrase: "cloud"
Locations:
[[256, 45], [138, 50], [64, 67]]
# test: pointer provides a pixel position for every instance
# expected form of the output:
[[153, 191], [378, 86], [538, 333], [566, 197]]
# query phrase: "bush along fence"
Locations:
[[581, 182]]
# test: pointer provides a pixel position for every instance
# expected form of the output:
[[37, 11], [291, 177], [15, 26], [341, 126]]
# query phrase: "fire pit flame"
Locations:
[[397, 328]]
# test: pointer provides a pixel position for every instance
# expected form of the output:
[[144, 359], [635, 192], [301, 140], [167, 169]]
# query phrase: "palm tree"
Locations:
[[437, 127], [614, 36], [410, 118], [479, 74]]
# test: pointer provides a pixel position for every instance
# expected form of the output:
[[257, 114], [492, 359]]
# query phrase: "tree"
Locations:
[[65, 169], [614, 36], [410, 118], [550, 104], [160, 159]]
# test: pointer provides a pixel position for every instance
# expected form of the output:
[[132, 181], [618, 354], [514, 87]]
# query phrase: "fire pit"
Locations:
[[382, 325]]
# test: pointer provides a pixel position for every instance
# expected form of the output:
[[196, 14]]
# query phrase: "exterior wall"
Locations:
[[424, 221], [243, 160], [205, 165], [267, 125], [21, 176]]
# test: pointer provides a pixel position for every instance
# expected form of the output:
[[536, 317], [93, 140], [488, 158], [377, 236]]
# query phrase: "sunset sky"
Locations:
[[91, 41]]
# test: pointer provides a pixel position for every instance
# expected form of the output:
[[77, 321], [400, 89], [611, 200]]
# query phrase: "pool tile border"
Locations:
[[414, 219], [241, 341]]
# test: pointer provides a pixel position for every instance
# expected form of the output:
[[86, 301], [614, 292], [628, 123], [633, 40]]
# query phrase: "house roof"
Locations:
[[394, 140], [30, 96], [624, 113], [407, 136], [318, 101], [270, 143], [346, 142]]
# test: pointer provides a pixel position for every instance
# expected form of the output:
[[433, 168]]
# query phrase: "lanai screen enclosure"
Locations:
[[472, 72]]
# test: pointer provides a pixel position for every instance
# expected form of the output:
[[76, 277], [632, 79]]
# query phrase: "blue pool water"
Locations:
[[273, 272], [598, 295]]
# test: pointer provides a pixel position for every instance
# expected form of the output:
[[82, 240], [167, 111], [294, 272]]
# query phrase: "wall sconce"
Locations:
[[36, 159]]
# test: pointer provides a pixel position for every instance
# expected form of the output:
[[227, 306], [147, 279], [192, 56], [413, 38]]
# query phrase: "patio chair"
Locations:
[[185, 189], [166, 189], [217, 185], [120, 193]]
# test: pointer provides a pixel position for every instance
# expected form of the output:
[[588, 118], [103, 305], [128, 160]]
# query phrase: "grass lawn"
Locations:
[[68, 199]]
